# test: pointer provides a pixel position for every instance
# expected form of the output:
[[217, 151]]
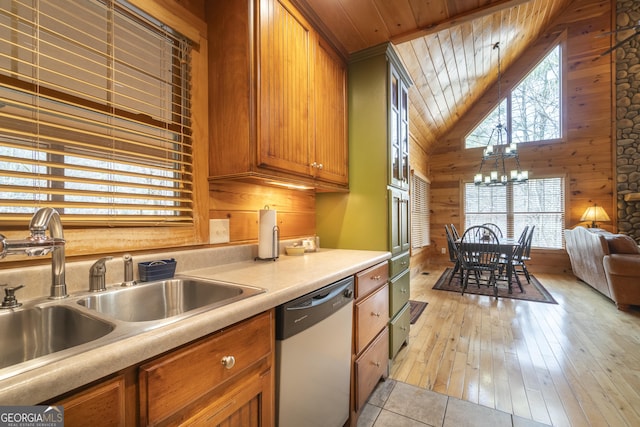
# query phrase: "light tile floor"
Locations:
[[396, 404]]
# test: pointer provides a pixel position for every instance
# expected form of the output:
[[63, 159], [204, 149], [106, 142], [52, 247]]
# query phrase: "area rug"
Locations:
[[415, 310], [533, 291]]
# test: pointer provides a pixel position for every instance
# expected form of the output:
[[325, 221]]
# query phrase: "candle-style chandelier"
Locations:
[[500, 151]]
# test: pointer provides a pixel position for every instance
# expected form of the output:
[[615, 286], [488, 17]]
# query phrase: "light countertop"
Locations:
[[284, 279]]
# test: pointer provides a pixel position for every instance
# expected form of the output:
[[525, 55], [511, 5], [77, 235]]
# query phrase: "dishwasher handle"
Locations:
[[340, 292]]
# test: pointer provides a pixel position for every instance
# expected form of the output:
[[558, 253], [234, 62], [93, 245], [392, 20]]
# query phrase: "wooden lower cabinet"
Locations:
[[370, 335], [244, 406], [103, 404], [226, 378], [370, 367], [371, 316]]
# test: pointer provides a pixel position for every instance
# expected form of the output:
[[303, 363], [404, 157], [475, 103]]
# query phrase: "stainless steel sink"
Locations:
[[165, 299], [38, 331]]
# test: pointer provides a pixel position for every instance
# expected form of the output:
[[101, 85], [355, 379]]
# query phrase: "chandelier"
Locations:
[[499, 152]]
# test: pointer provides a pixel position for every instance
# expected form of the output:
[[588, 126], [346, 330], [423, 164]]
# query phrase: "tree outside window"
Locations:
[[531, 111]]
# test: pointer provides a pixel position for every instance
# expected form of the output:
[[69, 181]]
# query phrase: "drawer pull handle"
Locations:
[[378, 277], [228, 362], [377, 364], [375, 314]]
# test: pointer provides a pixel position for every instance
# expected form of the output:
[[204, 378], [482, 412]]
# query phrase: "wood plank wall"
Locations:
[[584, 157], [240, 202]]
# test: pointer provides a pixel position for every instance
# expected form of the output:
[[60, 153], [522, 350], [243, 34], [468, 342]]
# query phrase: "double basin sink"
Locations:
[[39, 333]]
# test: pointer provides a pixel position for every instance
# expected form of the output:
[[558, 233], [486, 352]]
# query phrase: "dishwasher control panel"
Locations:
[[301, 313]]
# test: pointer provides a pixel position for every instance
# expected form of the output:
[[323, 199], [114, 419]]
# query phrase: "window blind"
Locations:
[[539, 202], [95, 115], [420, 216]]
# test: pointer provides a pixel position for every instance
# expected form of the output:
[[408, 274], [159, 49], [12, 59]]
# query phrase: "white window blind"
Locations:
[[95, 116], [420, 217], [539, 202]]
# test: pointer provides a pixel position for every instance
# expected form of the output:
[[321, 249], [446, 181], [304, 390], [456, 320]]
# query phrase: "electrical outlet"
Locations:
[[218, 231], [444, 250]]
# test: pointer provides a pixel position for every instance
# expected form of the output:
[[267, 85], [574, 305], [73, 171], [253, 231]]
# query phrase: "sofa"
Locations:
[[609, 263]]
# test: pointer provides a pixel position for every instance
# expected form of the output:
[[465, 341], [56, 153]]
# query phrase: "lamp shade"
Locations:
[[595, 214]]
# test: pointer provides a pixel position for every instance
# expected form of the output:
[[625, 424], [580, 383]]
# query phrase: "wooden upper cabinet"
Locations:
[[331, 160], [277, 95], [286, 76]]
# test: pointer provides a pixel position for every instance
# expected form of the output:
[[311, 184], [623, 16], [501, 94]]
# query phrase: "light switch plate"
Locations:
[[218, 231]]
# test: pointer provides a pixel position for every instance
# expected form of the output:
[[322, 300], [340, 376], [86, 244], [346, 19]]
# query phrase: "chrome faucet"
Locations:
[[97, 274], [128, 270], [38, 244]]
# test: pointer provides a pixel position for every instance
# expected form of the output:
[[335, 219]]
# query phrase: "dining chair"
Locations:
[[516, 257], [479, 252], [494, 228], [454, 232], [526, 255], [453, 254]]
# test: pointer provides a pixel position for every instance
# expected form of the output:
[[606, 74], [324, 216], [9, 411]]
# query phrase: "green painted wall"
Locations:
[[358, 219]]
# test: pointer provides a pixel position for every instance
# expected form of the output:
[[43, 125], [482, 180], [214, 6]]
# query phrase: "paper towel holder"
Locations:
[[275, 243], [275, 250]]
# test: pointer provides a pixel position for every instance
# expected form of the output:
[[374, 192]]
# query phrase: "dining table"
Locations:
[[507, 247]]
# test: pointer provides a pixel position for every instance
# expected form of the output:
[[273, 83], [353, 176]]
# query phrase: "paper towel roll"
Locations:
[[267, 237]]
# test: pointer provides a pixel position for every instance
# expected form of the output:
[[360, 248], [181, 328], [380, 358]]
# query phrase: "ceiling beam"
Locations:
[[461, 18]]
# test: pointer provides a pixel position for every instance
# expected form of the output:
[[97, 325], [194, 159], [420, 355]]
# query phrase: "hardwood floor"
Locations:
[[575, 363]]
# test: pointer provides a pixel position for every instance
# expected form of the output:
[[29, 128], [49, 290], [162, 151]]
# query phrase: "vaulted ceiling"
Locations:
[[446, 46]]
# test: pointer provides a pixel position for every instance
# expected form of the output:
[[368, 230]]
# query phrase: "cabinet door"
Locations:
[[101, 405], [285, 88], [247, 405], [404, 222], [398, 221], [404, 136], [395, 200], [398, 130], [395, 150], [330, 161]]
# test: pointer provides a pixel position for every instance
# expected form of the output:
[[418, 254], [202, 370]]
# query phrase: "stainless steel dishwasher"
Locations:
[[313, 357]]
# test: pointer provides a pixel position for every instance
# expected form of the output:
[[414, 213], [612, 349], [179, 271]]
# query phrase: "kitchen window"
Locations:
[[538, 202], [95, 115]]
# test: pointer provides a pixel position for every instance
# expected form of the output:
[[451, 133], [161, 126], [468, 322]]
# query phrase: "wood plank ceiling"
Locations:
[[446, 46]]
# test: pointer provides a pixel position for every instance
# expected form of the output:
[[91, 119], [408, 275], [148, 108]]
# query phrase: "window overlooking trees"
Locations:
[[538, 202], [95, 114], [531, 111]]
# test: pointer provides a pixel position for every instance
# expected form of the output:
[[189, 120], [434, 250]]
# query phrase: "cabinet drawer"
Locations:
[[171, 382], [370, 367], [371, 279], [398, 292], [398, 263], [371, 316], [399, 330]]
